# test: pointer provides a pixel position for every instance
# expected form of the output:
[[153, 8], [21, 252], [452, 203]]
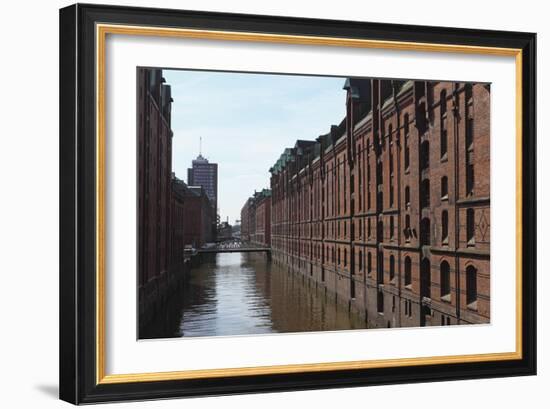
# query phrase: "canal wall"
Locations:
[[397, 311], [156, 295]]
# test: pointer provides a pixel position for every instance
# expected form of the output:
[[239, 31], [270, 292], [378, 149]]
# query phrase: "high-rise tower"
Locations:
[[205, 174]]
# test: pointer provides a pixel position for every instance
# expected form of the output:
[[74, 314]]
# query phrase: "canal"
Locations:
[[242, 293]]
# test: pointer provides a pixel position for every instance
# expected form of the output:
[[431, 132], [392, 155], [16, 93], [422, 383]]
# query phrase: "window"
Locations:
[[470, 133], [470, 227], [406, 132], [444, 188], [345, 257], [444, 227], [392, 267], [338, 256], [360, 260], [369, 263], [408, 232], [425, 278], [379, 173], [391, 227], [380, 232], [390, 147], [445, 281], [380, 302], [425, 193], [443, 124], [424, 155], [380, 272], [407, 196], [408, 271], [470, 179], [425, 238], [471, 286]]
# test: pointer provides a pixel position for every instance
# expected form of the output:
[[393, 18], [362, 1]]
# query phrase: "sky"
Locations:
[[246, 121]]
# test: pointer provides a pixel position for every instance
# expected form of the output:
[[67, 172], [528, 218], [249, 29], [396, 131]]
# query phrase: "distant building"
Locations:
[[200, 221], [178, 221], [262, 233], [225, 231], [205, 174], [256, 219], [248, 220]]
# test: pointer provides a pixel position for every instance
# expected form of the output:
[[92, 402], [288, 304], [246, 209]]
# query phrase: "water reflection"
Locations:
[[238, 294]]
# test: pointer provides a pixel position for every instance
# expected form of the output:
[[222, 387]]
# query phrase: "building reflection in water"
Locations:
[[243, 294]]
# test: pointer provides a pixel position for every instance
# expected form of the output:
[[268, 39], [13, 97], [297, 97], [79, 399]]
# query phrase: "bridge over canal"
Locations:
[[236, 248]]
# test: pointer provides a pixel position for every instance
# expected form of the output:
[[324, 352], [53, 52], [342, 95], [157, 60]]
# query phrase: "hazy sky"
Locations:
[[246, 121]]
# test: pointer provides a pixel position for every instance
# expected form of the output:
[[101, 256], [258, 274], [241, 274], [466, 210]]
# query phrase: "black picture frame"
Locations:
[[78, 235]]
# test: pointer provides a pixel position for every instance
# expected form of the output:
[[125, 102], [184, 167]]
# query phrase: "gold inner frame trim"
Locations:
[[101, 33]]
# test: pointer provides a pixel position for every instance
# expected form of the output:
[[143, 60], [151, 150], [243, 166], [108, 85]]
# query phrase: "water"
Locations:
[[242, 293]]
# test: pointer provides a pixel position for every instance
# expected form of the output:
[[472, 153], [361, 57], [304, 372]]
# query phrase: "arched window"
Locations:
[[408, 271], [471, 285], [380, 232], [360, 260], [407, 231], [407, 196], [445, 227], [392, 267], [444, 188], [445, 279], [338, 256], [470, 227], [424, 155], [391, 227]]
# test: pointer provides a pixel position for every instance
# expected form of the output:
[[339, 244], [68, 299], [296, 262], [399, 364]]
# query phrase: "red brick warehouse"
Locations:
[[256, 219], [171, 214], [390, 211]]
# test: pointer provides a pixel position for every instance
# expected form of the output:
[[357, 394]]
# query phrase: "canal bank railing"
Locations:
[[236, 249]]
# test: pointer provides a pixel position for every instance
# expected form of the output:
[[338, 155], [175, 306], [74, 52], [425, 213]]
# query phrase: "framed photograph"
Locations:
[[256, 203]]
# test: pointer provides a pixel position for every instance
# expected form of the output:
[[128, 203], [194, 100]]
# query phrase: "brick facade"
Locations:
[[154, 174], [390, 210], [199, 217], [256, 219]]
